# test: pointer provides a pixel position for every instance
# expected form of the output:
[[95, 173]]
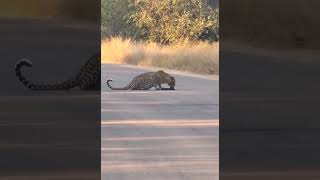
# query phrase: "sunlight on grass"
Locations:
[[196, 57]]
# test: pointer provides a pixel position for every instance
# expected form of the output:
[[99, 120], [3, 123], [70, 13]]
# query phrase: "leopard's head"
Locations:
[[172, 83], [166, 78]]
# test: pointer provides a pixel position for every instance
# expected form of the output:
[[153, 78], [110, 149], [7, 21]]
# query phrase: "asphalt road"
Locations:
[[159, 135]]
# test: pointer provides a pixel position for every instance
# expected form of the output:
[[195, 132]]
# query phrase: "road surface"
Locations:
[[159, 135]]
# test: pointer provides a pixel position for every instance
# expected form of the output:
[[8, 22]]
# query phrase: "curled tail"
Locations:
[[124, 88], [59, 86]]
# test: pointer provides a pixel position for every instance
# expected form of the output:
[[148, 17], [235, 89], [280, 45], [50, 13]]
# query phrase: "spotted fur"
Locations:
[[148, 80], [88, 78]]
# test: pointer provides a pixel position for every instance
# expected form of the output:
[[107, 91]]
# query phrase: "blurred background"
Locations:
[[48, 134], [71, 9], [272, 23]]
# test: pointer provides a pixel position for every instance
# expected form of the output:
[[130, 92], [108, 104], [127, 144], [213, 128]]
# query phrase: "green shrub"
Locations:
[[115, 19], [170, 21]]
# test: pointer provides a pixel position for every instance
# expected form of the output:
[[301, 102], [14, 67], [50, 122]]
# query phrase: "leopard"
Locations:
[[147, 81], [88, 78]]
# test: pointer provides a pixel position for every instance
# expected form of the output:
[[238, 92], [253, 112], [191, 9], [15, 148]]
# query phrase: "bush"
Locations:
[[171, 21], [115, 19], [161, 21]]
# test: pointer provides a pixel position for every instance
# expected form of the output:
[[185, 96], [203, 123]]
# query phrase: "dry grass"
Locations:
[[200, 57]]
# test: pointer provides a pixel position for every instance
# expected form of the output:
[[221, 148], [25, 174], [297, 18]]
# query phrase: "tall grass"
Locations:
[[196, 57]]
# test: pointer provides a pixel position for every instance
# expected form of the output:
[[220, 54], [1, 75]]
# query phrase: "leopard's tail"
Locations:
[[124, 88], [68, 84]]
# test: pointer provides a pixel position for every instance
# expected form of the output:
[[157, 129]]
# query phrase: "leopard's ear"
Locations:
[[160, 71]]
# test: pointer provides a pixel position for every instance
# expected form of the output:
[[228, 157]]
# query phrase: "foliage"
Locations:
[[161, 21], [115, 19], [170, 21]]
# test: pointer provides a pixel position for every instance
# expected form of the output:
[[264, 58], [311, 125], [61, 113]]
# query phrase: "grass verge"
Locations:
[[195, 57]]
